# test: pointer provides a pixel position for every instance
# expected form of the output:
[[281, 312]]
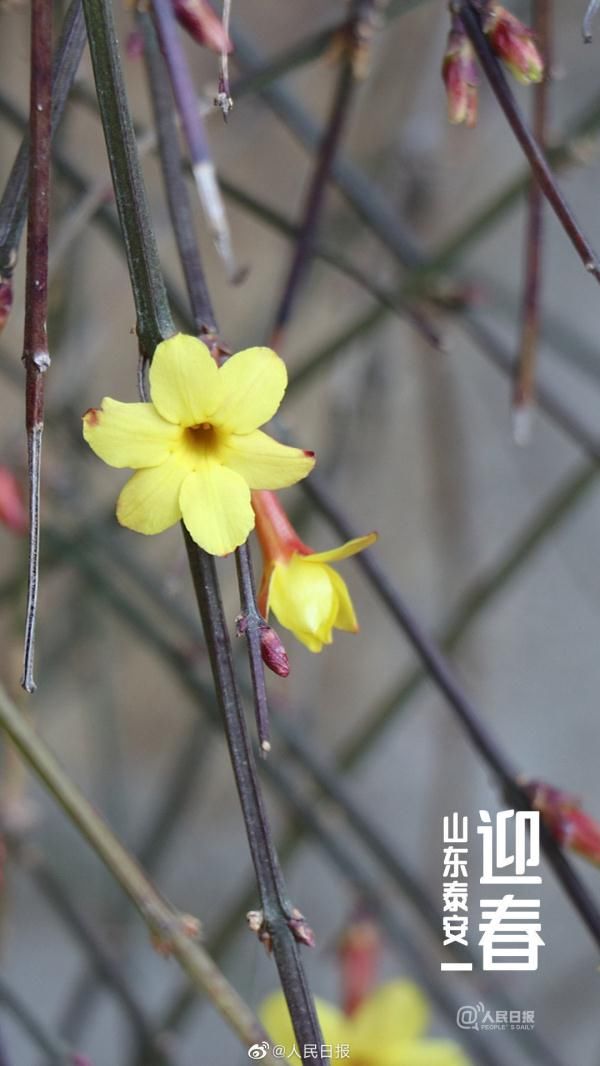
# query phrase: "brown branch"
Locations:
[[35, 344]]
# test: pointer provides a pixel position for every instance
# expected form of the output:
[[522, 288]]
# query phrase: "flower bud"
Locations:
[[562, 815], [198, 18], [273, 652], [459, 72], [514, 44], [359, 952], [12, 509]]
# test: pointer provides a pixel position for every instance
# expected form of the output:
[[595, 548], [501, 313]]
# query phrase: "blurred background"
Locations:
[[495, 546]]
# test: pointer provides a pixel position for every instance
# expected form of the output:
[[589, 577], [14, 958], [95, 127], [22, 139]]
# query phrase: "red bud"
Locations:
[[273, 652], [514, 44], [459, 72], [562, 815], [199, 19]]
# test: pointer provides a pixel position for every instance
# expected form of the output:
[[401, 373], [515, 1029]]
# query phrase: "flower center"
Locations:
[[202, 438]]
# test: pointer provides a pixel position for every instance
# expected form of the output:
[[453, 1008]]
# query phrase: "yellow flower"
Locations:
[[197, 447], [306, 594], [387, 1029]]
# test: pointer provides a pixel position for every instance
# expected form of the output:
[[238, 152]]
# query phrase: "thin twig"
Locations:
[[524, 383], [447, 682], [328, 253], [549, 400], [338, 116], [164, 923], [537, 161], [109, 973], [180, 210], [36, 358], [174, 796], [57, 1052], [366, 199], [250, 625], [224, 99], [201, 160], [153, 318], [13, 206]]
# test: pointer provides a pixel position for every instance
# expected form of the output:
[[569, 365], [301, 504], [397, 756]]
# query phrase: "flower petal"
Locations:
[[396, 1014], [253, 383], [149, 502], [345, 618], [304, 600], [129, 434], [215, 503], [264, 463], [351, 547], [274, 1015], [184, 380]]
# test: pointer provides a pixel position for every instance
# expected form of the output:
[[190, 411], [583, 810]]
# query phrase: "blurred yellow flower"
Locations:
[[306, 594], [387, 1029], [197, 448]]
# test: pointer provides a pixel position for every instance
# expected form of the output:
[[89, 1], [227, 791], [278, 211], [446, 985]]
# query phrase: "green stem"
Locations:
[[154, 322]]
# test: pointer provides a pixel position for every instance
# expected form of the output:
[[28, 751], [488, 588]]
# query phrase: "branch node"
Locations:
[[164, 931], [257, 924], [301, 929], [41, 361]]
